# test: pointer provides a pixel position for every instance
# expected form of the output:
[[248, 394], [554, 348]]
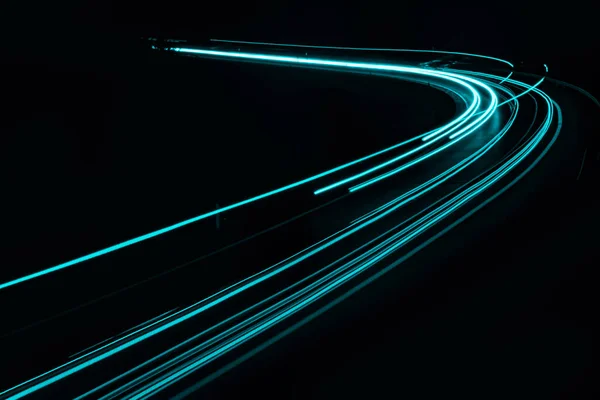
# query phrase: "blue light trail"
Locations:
[[168, 367]]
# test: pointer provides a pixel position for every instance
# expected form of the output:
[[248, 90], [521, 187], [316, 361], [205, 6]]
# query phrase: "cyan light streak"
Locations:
[[522, 93], [272, 308], [447, 208], [261, 313], [190, 367], [432, 138], [335, 279], [444, 176], [507, 78], [245, 311], [76, 363], [360, 285], [472, 109], [172, 378], [259, 329], [260, 57], [138, 328], [143, 324], [570, 86], [227, 208], [455, 53], [224, 295], [402, 156], [328, 306], [426, 156]]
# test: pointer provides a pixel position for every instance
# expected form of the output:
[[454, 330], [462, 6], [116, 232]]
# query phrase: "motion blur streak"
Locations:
[[352, 266], [463, 81], [468, 193], [368, 49]]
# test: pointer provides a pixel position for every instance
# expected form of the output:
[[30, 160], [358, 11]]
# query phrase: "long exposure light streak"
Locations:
[[171, 377], [262, 57], [365, 282], [456, 202], [454, 53], [438, 135], [127, 344], [254, 321]]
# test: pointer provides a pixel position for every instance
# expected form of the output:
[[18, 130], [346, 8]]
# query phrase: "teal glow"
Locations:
[[528, 88], [463, 199], [362, 284], [395, 171], [507, 78], [522, 93], [334, 280], [172, 377], [439, 179], [189, 368], [437, 135], [367, 49], [297, 60], [136, 328], [468, 129]]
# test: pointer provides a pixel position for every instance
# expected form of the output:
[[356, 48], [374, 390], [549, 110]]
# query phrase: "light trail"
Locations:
[[121, 343], [263, 315], [444, 176], [362, 284], [467, 194], [507, 78], [262, 57], [433, 137], [454, 53]]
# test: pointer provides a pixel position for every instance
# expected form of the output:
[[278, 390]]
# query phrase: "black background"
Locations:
[[72, 64]]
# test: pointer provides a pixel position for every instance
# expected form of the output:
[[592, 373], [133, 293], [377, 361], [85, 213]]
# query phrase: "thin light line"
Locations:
[[365, 49]]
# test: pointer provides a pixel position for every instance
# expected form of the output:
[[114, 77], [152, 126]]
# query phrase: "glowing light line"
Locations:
[[367, 49], [306, 61], [417, 227]]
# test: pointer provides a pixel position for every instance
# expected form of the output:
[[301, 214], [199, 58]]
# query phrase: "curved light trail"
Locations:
[[452, 53], [383, 233], [464, 81]]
